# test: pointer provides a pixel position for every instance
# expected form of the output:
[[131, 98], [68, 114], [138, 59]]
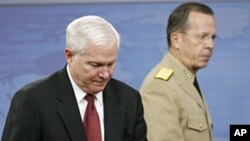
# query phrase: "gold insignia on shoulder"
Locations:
[[164, 73]]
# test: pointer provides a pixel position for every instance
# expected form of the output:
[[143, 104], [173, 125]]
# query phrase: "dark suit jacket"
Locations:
[[46, 110]]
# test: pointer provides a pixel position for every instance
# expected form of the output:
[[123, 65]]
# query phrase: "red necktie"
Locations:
[[91, 120]]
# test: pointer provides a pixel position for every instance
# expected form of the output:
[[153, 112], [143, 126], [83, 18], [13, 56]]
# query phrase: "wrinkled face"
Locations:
[[93, 69], [197, 43]]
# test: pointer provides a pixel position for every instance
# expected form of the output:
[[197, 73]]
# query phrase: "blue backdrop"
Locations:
[[32, 42]]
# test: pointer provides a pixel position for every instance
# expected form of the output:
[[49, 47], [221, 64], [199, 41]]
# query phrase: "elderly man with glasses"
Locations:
[[175, 109]]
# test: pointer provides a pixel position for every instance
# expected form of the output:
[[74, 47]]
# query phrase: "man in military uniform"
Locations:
[[175, 109]]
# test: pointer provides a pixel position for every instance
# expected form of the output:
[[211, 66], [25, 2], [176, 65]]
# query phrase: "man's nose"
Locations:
[[210, 43], [104, 72]]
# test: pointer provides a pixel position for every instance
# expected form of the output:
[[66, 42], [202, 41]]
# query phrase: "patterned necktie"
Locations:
[[91, 120]]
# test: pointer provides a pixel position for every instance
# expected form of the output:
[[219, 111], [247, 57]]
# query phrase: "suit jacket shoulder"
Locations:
[[123, 105]]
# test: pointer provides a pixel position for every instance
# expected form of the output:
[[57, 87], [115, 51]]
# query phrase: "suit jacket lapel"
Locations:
[[68, 110], [113, 115]]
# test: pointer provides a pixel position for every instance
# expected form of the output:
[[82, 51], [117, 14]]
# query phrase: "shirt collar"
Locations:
[[183, 72], [79, 93]]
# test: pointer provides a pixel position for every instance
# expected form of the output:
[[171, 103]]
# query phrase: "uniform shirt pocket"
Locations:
[[197, 122]]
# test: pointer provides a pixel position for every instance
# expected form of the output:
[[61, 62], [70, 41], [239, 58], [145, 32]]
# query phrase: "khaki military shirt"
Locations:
[[174, 109]]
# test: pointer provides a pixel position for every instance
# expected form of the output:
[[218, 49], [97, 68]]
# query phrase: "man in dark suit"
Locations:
[[55, 108]]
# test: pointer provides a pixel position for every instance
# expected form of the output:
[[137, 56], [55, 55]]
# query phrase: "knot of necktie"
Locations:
[[90, 98]]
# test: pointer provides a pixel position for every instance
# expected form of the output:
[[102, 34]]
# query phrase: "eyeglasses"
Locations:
[[201, 38]]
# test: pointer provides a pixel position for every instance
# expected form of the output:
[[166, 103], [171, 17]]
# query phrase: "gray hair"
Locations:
[[178, 19], [90, 30]]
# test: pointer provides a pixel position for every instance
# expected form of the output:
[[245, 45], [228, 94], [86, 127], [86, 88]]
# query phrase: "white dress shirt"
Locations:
[[82, 103]]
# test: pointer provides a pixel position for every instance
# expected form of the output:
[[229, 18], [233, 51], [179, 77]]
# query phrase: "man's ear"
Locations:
[[69, 54], [175, 40]]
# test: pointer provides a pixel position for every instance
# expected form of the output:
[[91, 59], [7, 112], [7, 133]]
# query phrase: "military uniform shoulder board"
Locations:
[[164, 73]]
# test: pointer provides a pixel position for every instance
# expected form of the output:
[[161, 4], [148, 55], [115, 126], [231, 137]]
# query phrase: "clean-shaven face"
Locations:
[[198, 41], [93, 69]]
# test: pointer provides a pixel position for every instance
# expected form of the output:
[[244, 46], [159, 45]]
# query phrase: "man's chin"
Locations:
[[97, 88], [203, 65]]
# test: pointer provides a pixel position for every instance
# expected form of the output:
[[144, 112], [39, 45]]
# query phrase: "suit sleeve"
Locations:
[[140, 126], [22, 123]]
